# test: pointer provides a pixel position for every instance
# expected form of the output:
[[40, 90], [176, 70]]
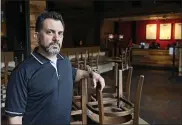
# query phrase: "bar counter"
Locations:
[[152, 57]]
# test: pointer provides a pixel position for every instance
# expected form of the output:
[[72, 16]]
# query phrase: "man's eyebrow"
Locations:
[[54, 30], [60, 32]]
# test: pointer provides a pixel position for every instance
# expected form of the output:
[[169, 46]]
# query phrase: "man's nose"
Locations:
[[56, 37]]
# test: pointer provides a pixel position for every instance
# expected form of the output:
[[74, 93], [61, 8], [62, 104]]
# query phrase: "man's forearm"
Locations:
[[96, 78], [81, 74], [15, 120]]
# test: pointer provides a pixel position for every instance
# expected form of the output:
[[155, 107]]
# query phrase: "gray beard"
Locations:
[[52, 49]]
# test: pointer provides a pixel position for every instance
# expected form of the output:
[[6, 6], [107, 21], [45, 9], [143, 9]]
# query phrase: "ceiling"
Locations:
[[134, 3], [73, 4], [148, 17], [116, 8]]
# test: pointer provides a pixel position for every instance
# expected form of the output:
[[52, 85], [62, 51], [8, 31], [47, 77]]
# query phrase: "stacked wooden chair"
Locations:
[[118, 84], [79, 109], [93, 60], [4, 75], [116, 108], [7, 58], [109, 112]]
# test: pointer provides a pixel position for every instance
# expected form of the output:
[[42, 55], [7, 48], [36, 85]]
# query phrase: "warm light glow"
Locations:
[[111, 36], [178, 31], [165, 31], [151, 30], [120, 36]]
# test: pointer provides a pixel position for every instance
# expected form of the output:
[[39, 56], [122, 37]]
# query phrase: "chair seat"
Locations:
[[116, 119]]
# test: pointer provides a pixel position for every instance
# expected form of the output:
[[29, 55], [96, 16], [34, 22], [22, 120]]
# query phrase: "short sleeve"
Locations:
[[16, 94], [74, 70]]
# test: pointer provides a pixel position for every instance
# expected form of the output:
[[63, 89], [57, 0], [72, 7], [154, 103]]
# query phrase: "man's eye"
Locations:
[[49, 32], [60, 34]]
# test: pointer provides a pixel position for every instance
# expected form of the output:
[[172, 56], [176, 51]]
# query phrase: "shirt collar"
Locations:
[[41, 59]]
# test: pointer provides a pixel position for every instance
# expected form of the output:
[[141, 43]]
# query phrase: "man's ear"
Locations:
[[37, 36]]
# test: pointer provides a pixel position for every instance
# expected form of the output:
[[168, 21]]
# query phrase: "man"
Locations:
[[40, 89]]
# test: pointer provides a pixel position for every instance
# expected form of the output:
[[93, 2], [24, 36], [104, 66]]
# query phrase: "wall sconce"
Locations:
[[112, 37], [121, 37]]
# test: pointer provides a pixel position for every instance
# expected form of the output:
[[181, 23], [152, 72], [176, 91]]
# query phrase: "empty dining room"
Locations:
[[135, 46]]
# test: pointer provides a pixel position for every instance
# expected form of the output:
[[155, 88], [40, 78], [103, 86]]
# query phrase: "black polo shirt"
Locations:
[[39, 93]]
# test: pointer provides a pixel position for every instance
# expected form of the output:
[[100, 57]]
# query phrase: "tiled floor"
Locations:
[[161, 101]]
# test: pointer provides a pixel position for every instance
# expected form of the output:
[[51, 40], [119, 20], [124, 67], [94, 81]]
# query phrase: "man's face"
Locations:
[[51, 36]]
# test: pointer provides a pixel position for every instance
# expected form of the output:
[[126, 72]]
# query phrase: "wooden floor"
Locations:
[[161, 98]]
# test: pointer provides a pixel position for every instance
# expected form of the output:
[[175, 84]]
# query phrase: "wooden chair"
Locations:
[[79, 112], [129, 56], [6, 57], [124, 57], [4, 77], [80, 58], [121, 63], [118, 85], [80, 64], [106, 111], [93, 61]]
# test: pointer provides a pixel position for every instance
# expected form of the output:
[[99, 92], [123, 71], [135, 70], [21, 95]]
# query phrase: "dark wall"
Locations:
[[17, 21], [116, 27], [133, 31], [80, 24]]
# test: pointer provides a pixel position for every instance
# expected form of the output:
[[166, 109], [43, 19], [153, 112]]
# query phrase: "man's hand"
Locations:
[[97, 79]]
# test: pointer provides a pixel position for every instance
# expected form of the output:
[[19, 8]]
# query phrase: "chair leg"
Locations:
[[116, 77], [128, 83], [84, 101], [138, 100], [100, 104]]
